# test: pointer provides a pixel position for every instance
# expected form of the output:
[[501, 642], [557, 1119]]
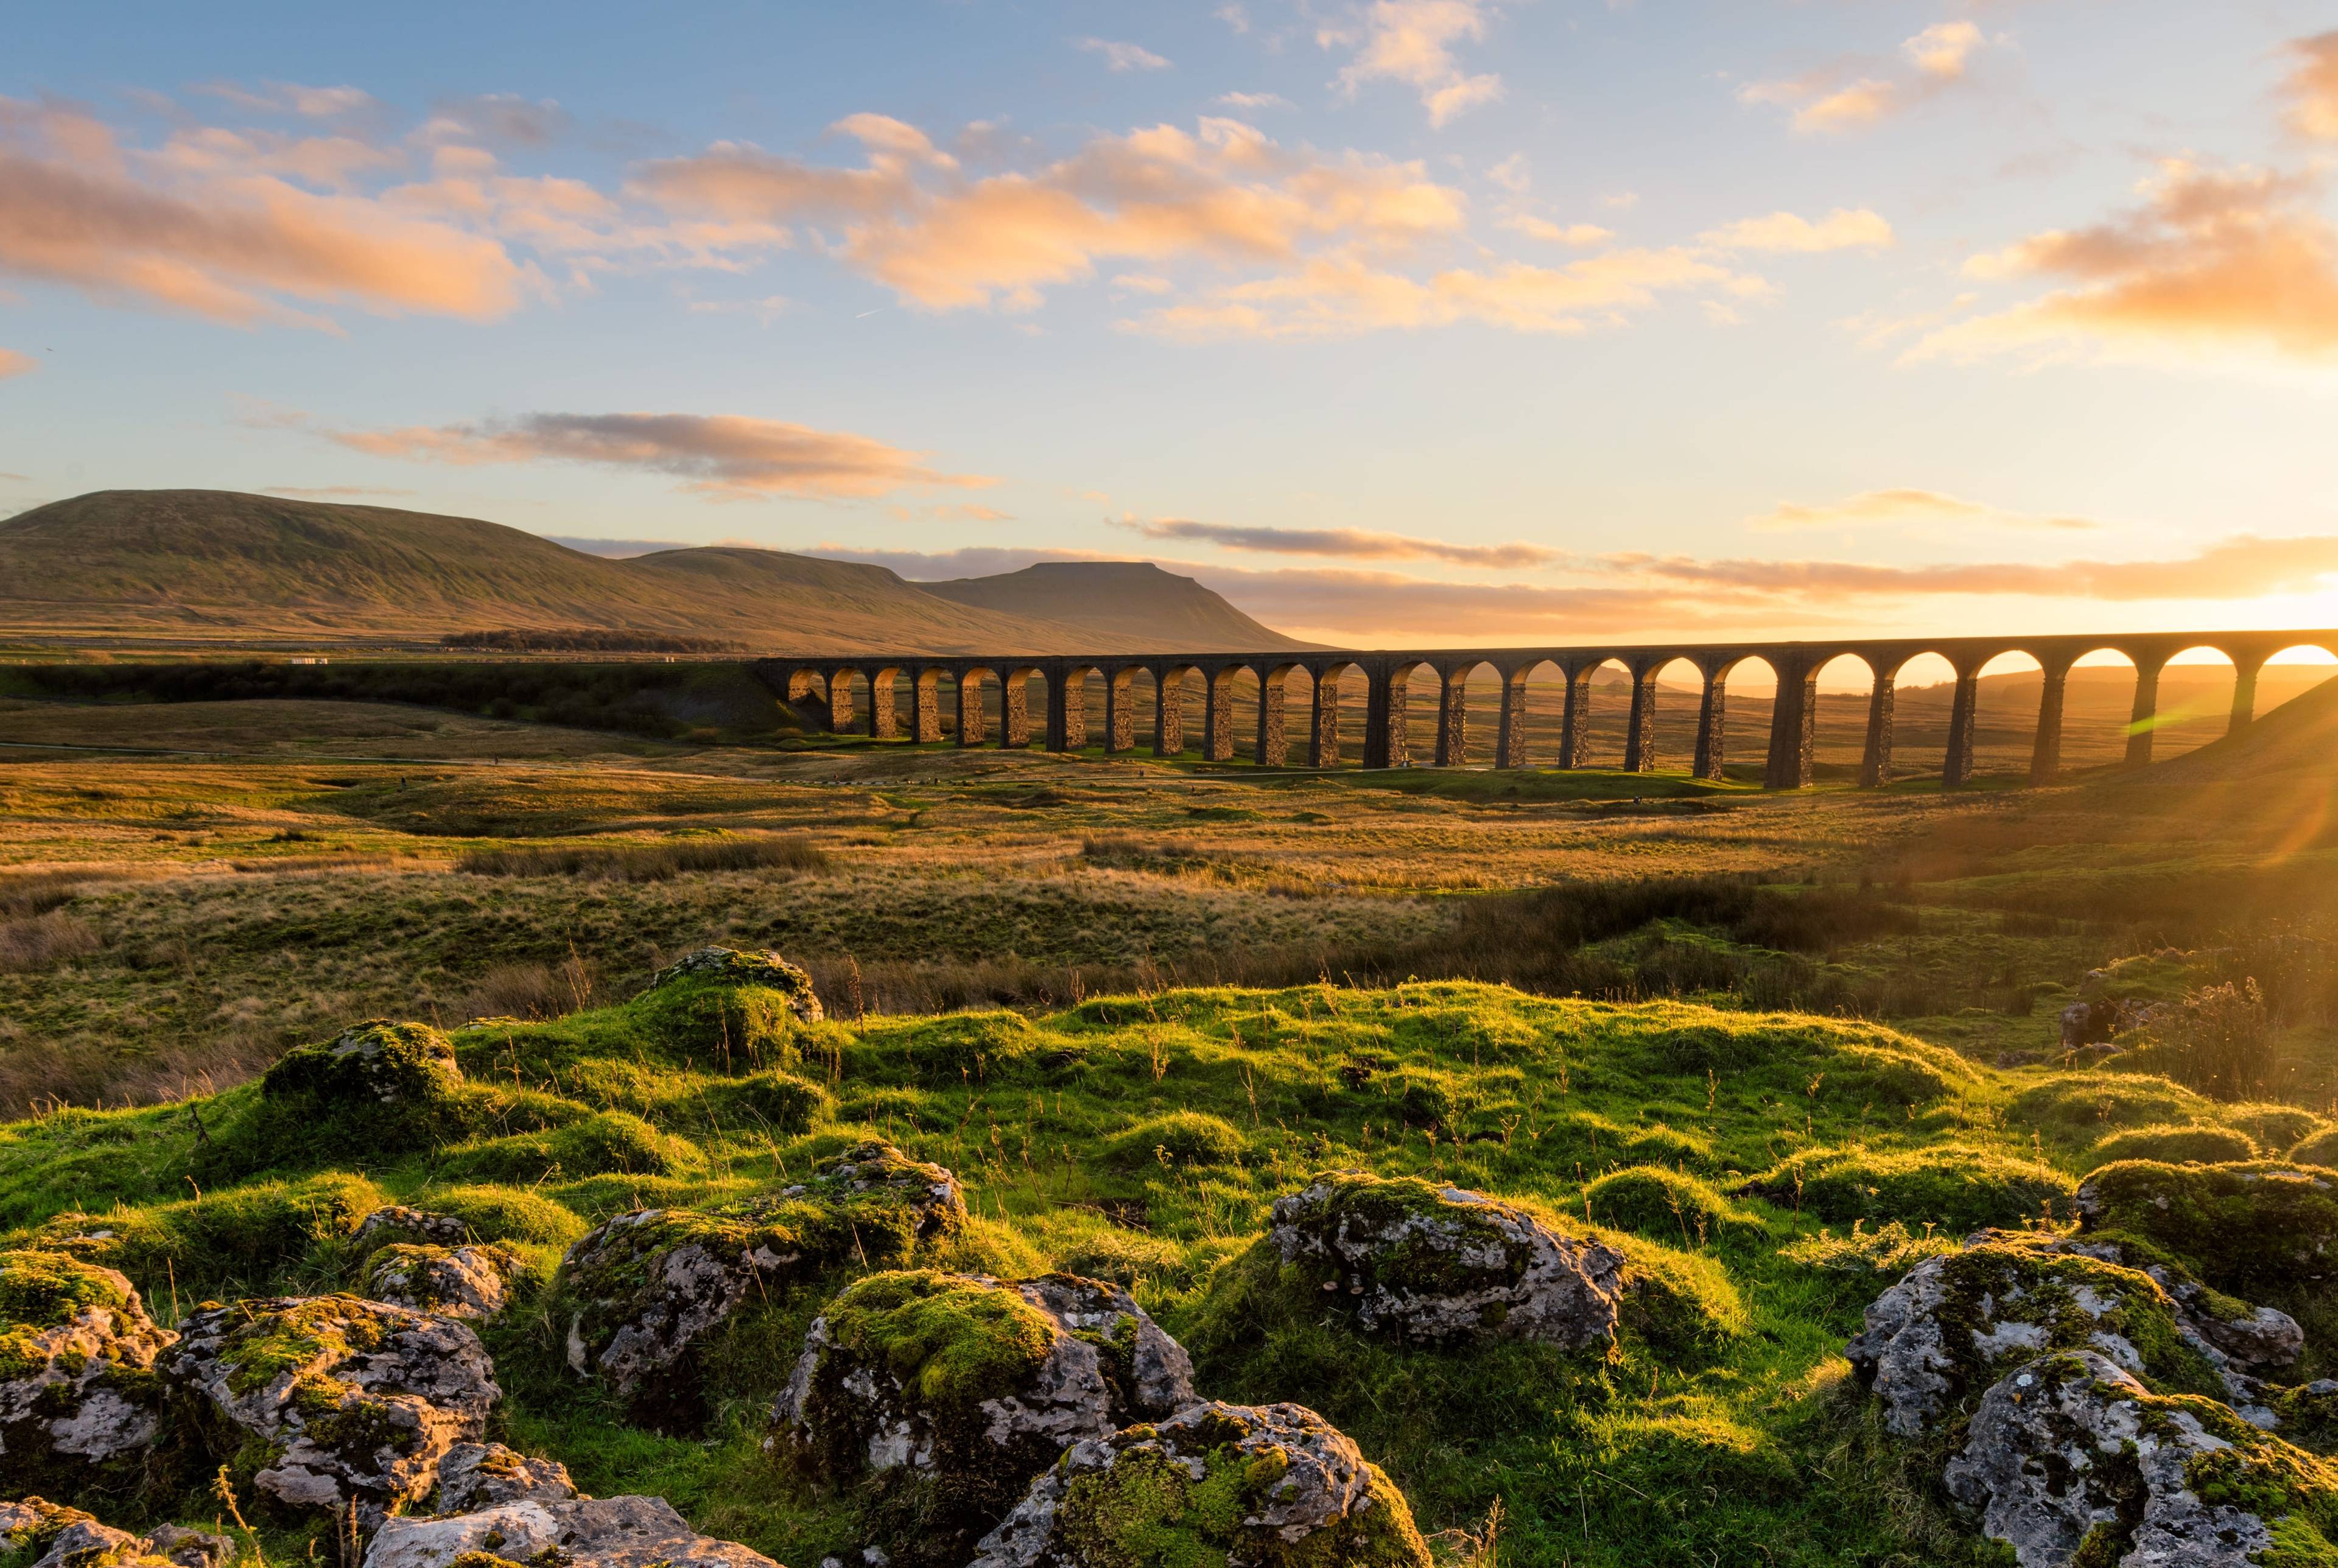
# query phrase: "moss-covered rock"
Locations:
[[1950, 1185], [570, 1533], [2251, 1227], [1668, 1205], [952, 1392], [39, 1534], [605, 1142], [738, 967], [332, 1400], [376, 1063], [207, 1245], [473, 1281], [2197, 1143], [640, 1291], [1426, 1263], [80, 1403], [489, 1475], [1263, 1486], [1960, 1321], [2069, 1459], [396, 1222], [730, 1009]]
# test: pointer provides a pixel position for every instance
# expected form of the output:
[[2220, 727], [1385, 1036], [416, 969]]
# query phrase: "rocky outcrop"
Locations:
[[473, 1281], [353, 1401], [2244, 1227], [2069, 1459], [641, 1289], [1419, 1262], [734, 966], [965, 1388], [475, 1476], [376, 1063], [44, 1536], [1957, 1323], [598, 1533], [80, 1403], [1265, 1487], [396, 1222], [190, 1548]]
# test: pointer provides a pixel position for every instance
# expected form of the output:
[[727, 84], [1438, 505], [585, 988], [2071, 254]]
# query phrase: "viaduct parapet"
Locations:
[[821, 687]]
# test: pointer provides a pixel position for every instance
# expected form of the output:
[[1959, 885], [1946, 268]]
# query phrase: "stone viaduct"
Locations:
[[821, 687]]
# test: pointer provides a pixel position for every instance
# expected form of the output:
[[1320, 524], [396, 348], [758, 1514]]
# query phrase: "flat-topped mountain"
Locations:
[[217, 566]]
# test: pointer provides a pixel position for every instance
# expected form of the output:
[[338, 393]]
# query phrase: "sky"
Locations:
[[1397, 321]]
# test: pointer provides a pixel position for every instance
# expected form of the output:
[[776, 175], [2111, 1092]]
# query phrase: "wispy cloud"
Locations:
[[2312, 87], [722, 455], [1413, 42], [1850, 92], [1841, 229], [290, 98], [1120, 57], [1355, 544], [1252, 100], [2214, 261], [1906, 508], [12, 363], [1579, 234], [331, 492], [2245, 566]]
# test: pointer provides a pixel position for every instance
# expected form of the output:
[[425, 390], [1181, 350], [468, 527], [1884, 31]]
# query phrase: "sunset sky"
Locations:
[[1401, 322]]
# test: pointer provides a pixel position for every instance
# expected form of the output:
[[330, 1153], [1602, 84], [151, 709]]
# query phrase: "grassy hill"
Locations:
[[1100, 596], [219, 566]]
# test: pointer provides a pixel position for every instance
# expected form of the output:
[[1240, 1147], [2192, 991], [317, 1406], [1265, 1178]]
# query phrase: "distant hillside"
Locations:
[[221, 566], [1098, 595]]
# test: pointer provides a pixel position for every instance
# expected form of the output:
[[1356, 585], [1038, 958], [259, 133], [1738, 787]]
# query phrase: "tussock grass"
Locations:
[[647, 862]]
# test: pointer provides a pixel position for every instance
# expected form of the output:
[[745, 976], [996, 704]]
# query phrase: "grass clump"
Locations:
[[1884, 1253], [226, 1243], [1191, 1138], [510, 1214], [2317, 1149], [2175, 1145], [2273, 1125], [1654, 1201], [1958, 1186], [607, 1142], [2090, 1104]]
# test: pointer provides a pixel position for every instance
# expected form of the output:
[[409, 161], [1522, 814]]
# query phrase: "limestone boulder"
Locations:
[[396, 1222], [470, 1281], [2070, 1460], [596, 1532], [952, 1392], [376, 1063], [1251, 1486], [2250, 1228], [1958, 1322], [351, 1401], [190, 1548], [79, 1402], [475, 1476], [41, 1534], [1425, 1263], [735, 966], [640, 1291]]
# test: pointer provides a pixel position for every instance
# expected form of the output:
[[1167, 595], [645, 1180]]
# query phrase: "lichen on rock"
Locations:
[[1263, 1486], [398, 1223], [1420, 1262], [641, 1289], [79, 1402], [41, 1534], [376, 1063], [1960, 1322], [473, 1281], [735, 966], [2070, 1460], [348, 1400], [963, 1388], [475, 1476], [594, 1533]]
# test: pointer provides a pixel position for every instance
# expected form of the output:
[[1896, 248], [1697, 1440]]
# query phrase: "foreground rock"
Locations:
[[79, 1400], [2070, 1460], [963, 1388], [598, 1533], [473, 1281], [642, 1289], [376, 1063], [1426, 1263], [2260, 1225], [475, 1476], [354, 1401], [396, 1222], [1265, 1487], [734, 966], [1957, 1323], [41, 1534]]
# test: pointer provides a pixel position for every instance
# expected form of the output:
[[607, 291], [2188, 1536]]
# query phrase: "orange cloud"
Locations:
[[1118, 56], [2215, 260], [1841, 229], [1355, 542], [233, 247], [724, 456], [12, 363], [1905, 507], [2242, 567], [1411, 42], [2313, 87], [1841, 96], [1535, 228]]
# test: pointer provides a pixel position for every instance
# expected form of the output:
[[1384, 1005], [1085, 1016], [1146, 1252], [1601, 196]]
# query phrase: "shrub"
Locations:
[[1185, 1137], [1952, 1185], [1654, 1201], [2217, 1039], [2175, 1145]]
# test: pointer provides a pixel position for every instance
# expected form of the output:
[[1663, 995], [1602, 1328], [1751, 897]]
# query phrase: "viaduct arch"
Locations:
[[822, 689]]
